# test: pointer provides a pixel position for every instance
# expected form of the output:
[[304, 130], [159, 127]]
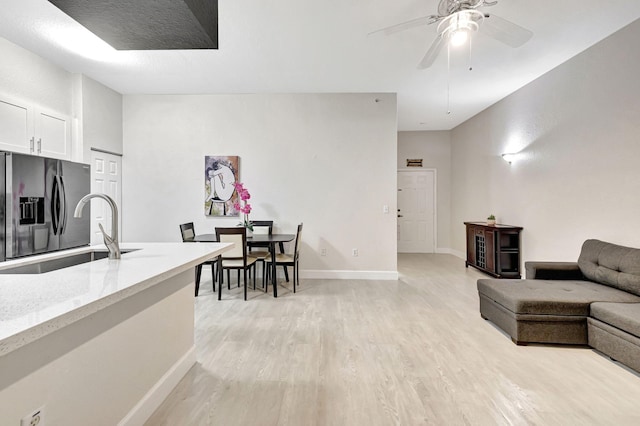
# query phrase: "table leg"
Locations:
[[286, 272], [274, 281], [220, 277]]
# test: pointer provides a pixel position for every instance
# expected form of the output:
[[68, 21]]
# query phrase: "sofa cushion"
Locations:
[[550, 297], [625, 316], [611, 264]]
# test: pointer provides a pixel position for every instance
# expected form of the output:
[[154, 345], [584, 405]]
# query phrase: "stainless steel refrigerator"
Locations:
[[39, 196]]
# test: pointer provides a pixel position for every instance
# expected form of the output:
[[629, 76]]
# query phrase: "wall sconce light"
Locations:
[[509, 158]]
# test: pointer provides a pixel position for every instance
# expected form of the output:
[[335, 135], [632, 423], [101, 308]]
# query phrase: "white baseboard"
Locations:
[[462, 255], [141, 412], [456, 253], [348, 275], [440, 250]]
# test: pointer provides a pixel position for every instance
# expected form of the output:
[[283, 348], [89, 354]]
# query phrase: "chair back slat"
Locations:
[[259, 227], [187, 231], [261, 230], [237, 235], [296, 250]]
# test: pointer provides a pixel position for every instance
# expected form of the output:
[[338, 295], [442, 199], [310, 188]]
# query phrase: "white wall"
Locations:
[[26, 76], [101, 118], [435, 150], [323, 159], [577, 132]]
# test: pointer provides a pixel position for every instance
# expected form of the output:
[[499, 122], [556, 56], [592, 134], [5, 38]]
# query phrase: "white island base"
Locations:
[[119, 349]]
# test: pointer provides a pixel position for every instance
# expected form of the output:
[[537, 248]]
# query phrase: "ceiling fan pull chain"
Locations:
[[470, 64], [448, 78]]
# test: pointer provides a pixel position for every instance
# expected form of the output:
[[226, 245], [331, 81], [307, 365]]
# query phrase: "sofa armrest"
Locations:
[[553, 271]]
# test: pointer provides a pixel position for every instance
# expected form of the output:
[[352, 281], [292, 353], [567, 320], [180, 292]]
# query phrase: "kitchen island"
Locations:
[[102, 342]]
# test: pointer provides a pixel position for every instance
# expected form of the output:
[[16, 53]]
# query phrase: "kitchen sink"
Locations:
[[59, 263]]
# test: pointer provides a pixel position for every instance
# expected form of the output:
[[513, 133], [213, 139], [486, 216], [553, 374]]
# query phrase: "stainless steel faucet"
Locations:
[[111, 241]]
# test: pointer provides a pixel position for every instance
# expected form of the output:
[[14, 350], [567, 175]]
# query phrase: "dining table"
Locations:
[[257, 240]]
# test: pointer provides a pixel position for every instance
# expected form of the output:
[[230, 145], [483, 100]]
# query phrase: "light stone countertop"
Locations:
[[35, 305]]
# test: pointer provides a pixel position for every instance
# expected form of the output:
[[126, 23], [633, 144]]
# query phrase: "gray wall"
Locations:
[[435, 150], [321, 159], [577, 174]]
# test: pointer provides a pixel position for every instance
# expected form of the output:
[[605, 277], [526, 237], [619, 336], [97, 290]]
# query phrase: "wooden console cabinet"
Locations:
[[494, 249]]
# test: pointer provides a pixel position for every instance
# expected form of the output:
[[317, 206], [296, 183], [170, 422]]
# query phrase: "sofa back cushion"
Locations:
[[612, 265]]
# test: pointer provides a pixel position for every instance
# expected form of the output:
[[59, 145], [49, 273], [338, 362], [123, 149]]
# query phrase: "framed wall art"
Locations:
[[220, 173]]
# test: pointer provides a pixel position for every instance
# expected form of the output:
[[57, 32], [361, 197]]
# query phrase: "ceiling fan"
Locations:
[[457, 20]]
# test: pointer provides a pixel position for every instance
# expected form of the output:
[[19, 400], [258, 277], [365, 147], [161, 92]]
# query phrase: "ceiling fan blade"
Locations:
[[432, 53], [505, 31], [425, 20]]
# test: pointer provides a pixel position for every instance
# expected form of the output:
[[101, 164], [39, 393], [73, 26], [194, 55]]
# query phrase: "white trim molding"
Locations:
[[457, 253], [348, 275]]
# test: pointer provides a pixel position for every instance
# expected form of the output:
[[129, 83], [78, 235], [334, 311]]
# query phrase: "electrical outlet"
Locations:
[[355, 252], [36, 418], [323, 252]]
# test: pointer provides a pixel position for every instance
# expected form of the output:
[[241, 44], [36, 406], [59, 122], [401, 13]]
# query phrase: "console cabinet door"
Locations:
[[471, 243], [490, 250]]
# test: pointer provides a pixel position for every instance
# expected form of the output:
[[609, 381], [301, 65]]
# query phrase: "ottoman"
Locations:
[[614, 329], [544, 311]]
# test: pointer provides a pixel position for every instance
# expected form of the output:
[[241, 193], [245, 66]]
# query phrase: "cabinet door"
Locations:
[[490, 250], [471, 245], [53, 135], [16, 127]]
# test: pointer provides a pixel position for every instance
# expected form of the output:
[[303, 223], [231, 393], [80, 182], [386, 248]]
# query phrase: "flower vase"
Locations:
[[249, 232]]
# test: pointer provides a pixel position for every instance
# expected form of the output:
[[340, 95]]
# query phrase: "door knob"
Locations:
[[400, 215]]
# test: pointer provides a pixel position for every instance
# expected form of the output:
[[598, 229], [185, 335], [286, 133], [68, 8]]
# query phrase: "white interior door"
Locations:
[[416, 211], [106, 178]]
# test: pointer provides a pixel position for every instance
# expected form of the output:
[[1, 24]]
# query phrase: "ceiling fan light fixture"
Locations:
[[459, 37], [458, 27]]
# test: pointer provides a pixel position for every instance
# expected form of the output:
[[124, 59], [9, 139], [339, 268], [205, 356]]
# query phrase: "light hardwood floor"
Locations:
[[407, 352]]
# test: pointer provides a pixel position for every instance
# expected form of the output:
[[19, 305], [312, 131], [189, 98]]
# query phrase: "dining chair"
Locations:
[[289, 259], [264, 227], [187, 231], [261, 227], [235, 258]]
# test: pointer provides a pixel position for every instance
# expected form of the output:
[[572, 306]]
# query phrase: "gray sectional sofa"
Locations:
[[595, 302]]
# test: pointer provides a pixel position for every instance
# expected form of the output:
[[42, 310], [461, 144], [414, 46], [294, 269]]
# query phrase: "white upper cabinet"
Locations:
[[30, 129], [16, 126], [52, 134]]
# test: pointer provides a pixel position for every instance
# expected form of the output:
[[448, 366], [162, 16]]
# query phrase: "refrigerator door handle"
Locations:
[[63, 206], [55, 206]]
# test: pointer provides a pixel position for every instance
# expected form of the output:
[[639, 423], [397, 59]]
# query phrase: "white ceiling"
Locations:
[[310, 46]]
